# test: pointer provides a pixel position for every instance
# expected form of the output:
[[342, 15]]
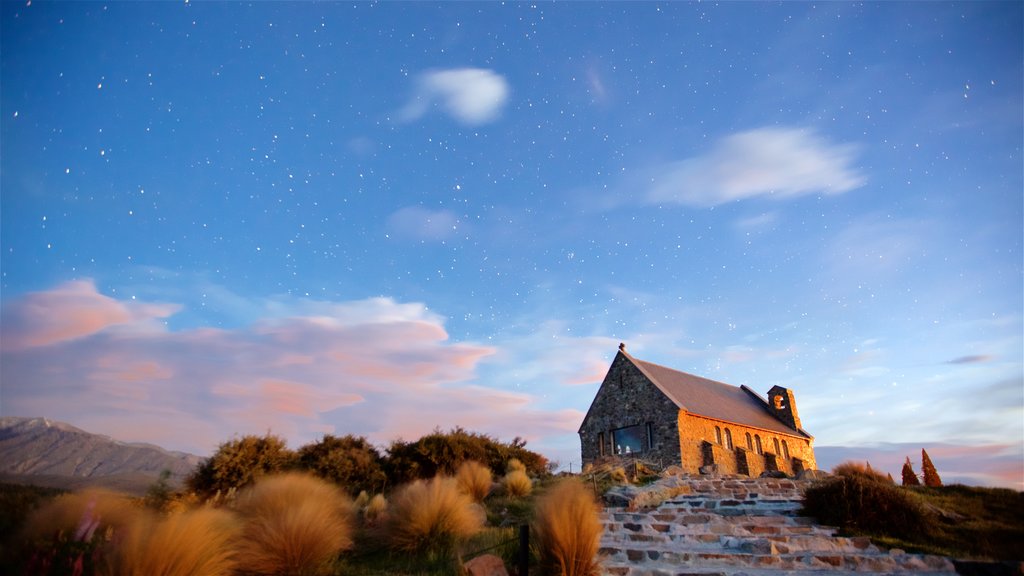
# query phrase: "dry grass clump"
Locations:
[[376, 508], [859, 504], [568, 528], [474, 479], [515, 464], [432, 516], [93, 509], [294, 524], [851, 468], [196, 543], [517, 484]]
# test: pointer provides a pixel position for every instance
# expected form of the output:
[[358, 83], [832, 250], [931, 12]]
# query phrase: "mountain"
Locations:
[[41, 451]]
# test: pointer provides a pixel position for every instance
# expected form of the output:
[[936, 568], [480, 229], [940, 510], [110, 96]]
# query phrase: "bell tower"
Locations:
[[782, 405]]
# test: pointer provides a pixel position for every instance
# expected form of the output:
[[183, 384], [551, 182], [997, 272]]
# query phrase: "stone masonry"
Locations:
[[732, 526]]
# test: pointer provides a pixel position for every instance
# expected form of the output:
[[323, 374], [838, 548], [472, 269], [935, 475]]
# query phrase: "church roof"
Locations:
[[712, 399]]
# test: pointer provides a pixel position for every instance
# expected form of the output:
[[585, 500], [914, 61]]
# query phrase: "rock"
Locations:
[[773, 474], [486, 565], [673, 471], [813, 475], [709, 470]]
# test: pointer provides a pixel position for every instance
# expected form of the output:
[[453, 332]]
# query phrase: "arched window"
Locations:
[[777, 451], [785, 450], [600, 443], [718, 435], [757, 438], [728, 439], [750, 442]]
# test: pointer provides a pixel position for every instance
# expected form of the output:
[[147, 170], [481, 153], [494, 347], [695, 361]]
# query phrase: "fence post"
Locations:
[[524, 550]]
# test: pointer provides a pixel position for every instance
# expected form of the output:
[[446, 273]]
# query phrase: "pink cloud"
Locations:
[[72, 310]]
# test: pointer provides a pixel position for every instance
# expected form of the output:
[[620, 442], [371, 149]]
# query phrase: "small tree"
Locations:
[[931, 476], [350, 462], [909, 478], [238, 463]]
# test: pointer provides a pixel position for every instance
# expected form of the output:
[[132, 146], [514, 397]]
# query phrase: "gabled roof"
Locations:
[[712, 399]]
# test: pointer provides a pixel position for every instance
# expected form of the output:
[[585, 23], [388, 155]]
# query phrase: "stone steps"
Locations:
[[742, 527]]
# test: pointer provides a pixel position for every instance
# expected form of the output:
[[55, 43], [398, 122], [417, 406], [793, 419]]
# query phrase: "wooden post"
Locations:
[[524, 550]]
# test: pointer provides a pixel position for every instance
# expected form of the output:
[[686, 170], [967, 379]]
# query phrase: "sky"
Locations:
[[381, 219]]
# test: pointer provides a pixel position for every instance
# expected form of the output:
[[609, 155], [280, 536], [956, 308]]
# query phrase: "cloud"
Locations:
[[374, 367], [423, 224], [972, 359], [72, 310], [469, 95], [775, 162]]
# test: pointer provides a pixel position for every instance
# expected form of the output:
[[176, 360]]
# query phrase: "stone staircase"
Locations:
[[741, 526]]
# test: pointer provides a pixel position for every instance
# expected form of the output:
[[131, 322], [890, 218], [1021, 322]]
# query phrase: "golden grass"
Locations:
[[515, 464], [293, 524], [196, 543], [851, 468], [432, 516], [376, 508], [517, 483], [68, 513], [568, 529], [474, 479]]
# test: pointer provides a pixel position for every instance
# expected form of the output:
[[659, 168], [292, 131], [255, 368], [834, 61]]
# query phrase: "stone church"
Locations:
[[670, 417]]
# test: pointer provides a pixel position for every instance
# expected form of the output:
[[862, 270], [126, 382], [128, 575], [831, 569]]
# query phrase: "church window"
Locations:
[[718, 435], [757, 438], [630, 440], [600, 443], [750, 442], [776, 441], [728, 439], [650, 436], [785, 450]]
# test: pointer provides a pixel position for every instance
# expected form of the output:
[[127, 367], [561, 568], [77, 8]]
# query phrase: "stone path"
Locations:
[[733, 527]]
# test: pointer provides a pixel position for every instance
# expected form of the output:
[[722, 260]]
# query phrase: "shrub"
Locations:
[[517, 483], [931, 475], [474, 479], [293, 524], [568, 530], [200, 543], [858, 503], [376, 508], [67, 512], [850, 468], [515, 464], [238, 463], [350, 461], [909, 477], [432, 516], [443, 453]]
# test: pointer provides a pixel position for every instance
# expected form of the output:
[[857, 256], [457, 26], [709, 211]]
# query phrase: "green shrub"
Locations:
[[443, 453], [293, 524], [860, 504], [474, 479], [349, 461], [517, 483], [432, 516], [568, 529], [238, 463], [196, 543]]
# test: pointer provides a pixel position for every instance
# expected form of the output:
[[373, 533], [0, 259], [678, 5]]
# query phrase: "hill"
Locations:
[[49, 453]]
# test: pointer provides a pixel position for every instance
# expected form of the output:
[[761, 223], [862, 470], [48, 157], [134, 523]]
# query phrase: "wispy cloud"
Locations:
[[469, 95], [423, 224], [774, 162], [373, 367], [972, 359]]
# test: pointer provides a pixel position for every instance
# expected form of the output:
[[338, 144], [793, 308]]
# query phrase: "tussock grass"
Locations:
[[568, 528], [294, 524], [376, 509], [515, 464], [432, 516], [851, 468], [517, 484], [96, 508], [195, 543], [858, 504], [474, 479]]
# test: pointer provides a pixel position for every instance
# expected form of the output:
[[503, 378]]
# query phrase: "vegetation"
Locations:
[[238, 463], [349, 461], [568, 530], [294, 524], [474, 479], [517, 484], [432, 516], [958, 521], [931, 475], [860, 470], [199, 542], [443, 453], [909, 476]]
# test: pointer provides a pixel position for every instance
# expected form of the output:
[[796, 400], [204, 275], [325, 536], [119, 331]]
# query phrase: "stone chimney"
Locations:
[[622, 346], [782, 405]]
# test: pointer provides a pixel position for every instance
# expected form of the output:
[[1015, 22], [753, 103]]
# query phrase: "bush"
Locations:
[[294, 524], [515, 464], [856, 503], [432, 516], [568, 529], [376, 508], [68, 512], [238, 463], [442, 454], [200, 543], [517, 483], [850, 468], [350, 461], [474, 479]]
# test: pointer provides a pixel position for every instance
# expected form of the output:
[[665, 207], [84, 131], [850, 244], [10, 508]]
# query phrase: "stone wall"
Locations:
[[627, 398], [695, 431]]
